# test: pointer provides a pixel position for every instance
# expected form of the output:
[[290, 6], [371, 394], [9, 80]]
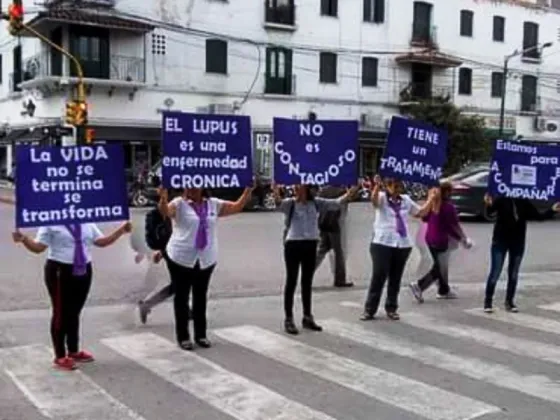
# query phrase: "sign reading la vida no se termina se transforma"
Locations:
[[65, 185], [525, 170], [319, 152], [415, 152], [206, 151]]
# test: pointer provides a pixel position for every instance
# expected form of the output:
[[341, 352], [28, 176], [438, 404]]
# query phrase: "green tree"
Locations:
[[466, 139]]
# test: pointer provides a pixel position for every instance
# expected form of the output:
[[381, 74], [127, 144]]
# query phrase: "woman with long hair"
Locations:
[[68, 275], [192, 255], [442, 226], [301, 236], [391, 244]]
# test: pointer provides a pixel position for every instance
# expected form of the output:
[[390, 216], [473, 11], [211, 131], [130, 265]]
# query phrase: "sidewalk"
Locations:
[[6, 192]]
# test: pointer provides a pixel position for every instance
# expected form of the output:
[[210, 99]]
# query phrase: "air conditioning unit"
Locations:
[[551, 127]]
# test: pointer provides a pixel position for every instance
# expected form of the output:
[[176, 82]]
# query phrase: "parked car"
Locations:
[[468, 195]]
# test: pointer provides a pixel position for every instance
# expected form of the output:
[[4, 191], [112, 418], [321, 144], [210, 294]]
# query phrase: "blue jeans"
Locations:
[[498, 253]]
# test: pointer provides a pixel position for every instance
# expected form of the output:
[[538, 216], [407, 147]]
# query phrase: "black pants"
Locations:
[[68, 295], [162, 294], [439, 271], [388, 262], [299, 254], [183, 279], [514, 250], [332, 241]]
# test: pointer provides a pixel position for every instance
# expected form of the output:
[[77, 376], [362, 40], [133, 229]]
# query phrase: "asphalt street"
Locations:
[[445, 360], [251, 262]]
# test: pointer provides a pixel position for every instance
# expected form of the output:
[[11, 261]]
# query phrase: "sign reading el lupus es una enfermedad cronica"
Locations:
[[525, 170], [63, 185], [318, 152], [206, 151]]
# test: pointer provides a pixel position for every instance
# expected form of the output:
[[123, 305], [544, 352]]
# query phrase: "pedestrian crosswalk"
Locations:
[[383, 366]]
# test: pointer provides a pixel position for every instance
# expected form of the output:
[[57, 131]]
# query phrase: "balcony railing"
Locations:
[[280, 86], [282, 14], [412, 92], [122, 68], [424, 35]]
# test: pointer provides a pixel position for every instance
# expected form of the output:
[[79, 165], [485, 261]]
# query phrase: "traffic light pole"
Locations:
[[80, 130]]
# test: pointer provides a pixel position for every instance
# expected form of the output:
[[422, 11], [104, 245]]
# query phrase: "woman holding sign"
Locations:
[[192, 255], [68, 274], [391, 244], [301, 236]]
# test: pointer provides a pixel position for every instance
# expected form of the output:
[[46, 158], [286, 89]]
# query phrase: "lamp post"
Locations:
[[505, 74]]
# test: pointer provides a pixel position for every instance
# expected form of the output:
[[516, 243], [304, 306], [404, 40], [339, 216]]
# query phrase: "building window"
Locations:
[[278, 76], [466, 27], [158, 44], [216, 56], [374, 11], [280, 11], [499, 29], [327, 67], [531, 40], [369, 71], [18, 75], [92, 47], [422, 23], [529, 93], [465, 81], [497, 84], [329, 8], [1, 69]]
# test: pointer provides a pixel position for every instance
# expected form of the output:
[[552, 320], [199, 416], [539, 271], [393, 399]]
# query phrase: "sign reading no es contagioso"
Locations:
[[65, 185], [206, 151], [321, 152], [525, 170], [415, 152]]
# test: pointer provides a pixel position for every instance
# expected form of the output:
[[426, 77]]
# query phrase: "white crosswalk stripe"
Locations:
[[555, 307], [68, 395], [224, 390], [497, 374], [521, 320], [407, 394]]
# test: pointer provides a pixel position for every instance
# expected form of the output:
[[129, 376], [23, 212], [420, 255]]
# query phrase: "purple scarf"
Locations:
[[79, 266], [201, 211], [396, 207]]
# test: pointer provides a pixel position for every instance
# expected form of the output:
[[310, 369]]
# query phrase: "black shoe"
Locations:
[[290, 327], [309, 323], [510, 307], [488, 307], [393, 315], [346, 284], [366, 316], [186, 345], [204, 343], [144, 312]]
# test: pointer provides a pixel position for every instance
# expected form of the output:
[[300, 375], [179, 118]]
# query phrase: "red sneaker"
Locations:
[[81, 357], [65, 363]]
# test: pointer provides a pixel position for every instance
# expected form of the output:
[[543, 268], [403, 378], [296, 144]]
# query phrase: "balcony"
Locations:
[[280, 86], [411, 93], [50, 69], [424, 35], [279, 16]]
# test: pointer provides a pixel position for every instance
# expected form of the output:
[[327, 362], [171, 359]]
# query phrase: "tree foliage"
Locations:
[[466, 142]]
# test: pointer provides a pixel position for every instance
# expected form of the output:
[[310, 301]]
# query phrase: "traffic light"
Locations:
[[81, 114], [71, 108], [15, 16], [90, 135]]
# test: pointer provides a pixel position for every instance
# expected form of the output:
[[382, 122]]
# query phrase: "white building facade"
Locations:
[[345, 59]]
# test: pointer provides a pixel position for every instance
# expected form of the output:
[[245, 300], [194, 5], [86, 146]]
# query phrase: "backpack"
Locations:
[[158, 230]]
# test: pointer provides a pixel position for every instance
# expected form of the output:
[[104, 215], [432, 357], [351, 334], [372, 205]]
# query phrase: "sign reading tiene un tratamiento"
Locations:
[[206, 151], [65, 185]]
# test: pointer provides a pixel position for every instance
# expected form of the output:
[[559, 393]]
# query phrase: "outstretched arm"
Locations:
[[110, 239], [229, 208]]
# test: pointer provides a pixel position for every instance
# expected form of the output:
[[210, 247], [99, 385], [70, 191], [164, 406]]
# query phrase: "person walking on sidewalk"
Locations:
[[508, 239], [442, 225], [391, 244], [333, 239], [192, 254], [301, 235], [68, 275]]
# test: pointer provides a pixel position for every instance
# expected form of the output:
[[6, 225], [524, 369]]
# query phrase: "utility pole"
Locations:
[[78, 117]]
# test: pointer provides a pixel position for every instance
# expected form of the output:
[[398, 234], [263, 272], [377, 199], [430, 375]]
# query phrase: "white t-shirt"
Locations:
[[181, 247], [60, 241], [385, 223]]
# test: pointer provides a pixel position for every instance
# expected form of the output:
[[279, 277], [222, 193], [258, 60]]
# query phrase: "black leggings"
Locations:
[[299, 254], [183, 279], [68, 295]]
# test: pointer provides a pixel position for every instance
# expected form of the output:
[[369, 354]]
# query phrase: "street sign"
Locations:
[[262, 141]]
